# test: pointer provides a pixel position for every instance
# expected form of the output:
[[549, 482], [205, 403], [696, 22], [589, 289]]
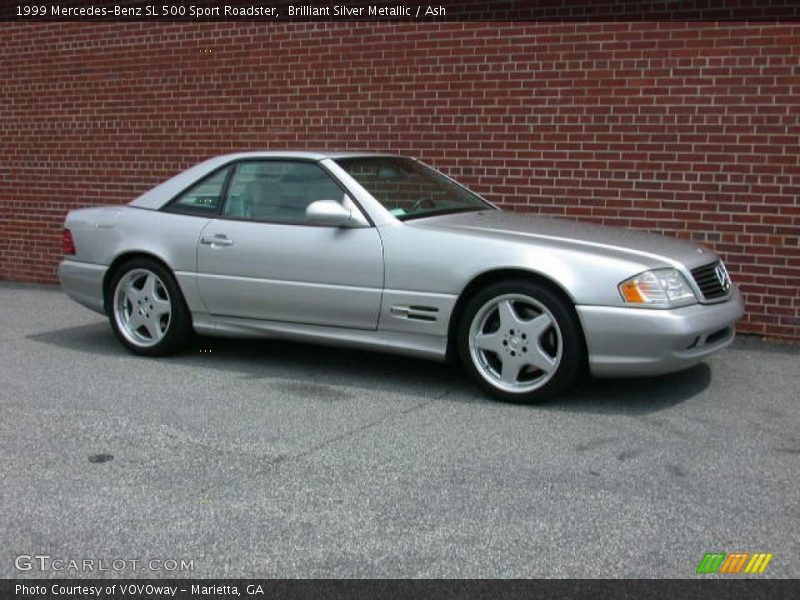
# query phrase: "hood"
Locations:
[[597, 239]]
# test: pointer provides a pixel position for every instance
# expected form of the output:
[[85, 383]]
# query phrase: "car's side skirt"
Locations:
[[431, 347]]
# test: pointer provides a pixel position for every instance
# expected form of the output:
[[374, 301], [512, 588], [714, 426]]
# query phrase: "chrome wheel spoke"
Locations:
[[491, 342], [536, 327], [131, 292], [540, 359], [508, 316], [153, 327], [149, 288], [510, 371], [135, 321], [160, 307]]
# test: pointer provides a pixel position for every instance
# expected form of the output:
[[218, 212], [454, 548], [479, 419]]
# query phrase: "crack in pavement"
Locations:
[[354, 432]]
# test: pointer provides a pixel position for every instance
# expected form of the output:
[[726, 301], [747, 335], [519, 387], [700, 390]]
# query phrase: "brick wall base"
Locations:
[[691, 130]]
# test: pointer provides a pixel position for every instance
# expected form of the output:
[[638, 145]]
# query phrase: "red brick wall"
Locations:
[[685, 129]]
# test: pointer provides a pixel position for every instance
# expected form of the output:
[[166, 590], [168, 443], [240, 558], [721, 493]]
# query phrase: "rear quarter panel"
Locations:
[[104, 234]]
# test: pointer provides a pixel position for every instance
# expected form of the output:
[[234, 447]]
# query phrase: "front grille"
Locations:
[[712, 280]]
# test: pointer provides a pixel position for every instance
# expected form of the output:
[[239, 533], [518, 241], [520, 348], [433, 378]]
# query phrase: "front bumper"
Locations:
[[636, 341], [83, 282]]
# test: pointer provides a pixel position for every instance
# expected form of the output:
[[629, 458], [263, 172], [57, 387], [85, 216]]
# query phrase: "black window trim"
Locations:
[[441, 212], [233, 166], [172, 205]]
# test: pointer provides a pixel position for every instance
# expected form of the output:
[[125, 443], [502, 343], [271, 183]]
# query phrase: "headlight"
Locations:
[[662, 288]]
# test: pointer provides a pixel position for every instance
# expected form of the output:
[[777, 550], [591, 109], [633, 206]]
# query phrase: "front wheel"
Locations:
[[147, 311], [521, 341]]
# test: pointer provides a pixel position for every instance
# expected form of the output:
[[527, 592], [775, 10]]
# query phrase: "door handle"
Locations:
[[220, 239]]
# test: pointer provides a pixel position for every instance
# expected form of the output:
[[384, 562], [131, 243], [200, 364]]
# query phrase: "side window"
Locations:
[[204, 197], [277, 190]]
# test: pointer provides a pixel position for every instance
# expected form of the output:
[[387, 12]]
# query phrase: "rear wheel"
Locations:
[[147, 310], [521, 341]]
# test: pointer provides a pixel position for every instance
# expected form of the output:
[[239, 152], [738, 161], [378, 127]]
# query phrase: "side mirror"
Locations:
[[331, 213]]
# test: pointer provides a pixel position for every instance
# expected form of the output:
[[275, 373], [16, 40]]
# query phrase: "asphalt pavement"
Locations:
[[271, 459]]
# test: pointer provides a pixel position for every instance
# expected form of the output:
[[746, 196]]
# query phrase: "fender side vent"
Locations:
[[416, 313]]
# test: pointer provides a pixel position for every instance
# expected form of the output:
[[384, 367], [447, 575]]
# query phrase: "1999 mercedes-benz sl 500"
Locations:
[[383, 252]]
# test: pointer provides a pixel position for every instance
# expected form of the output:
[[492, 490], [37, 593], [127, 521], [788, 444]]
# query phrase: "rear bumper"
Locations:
[[634, 341], [83, 282]]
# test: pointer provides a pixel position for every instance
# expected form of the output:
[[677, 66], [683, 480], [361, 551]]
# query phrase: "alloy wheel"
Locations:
[[515, 343], [142, 308]]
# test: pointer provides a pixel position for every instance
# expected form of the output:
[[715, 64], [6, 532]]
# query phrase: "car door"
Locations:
[[261, 259]]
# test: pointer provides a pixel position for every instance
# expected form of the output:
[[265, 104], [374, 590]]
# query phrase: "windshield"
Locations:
[[409, 189]]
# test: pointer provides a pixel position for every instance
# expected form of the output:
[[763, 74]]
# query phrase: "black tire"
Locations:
[[569, 363], [177, 332]]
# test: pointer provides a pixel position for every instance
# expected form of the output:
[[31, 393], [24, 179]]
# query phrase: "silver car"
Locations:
[[383, 252]]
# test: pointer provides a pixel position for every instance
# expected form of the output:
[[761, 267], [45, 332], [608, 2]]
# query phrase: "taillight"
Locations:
[[67, 243]]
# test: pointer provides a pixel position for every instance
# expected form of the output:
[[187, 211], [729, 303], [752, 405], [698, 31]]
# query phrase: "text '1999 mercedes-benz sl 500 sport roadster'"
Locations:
[[383, 252]]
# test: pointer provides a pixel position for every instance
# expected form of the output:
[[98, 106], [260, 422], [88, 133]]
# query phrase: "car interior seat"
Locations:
[[263, 199]]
